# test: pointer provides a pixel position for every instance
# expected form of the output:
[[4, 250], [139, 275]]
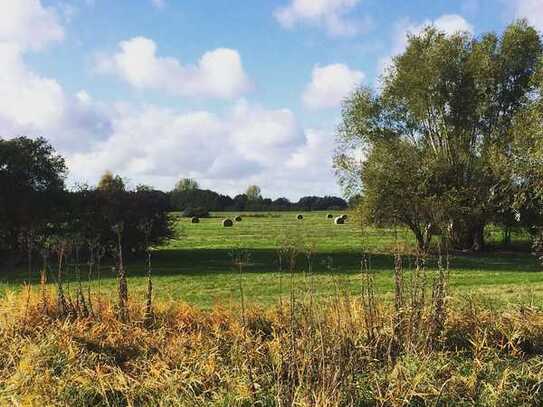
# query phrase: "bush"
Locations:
[[195, 213], [91, 214]]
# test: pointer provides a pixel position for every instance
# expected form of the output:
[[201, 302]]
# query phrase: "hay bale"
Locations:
[[227, 223], [195, 220], [238, 219], [300, 216], [339, 220], [329, 216]]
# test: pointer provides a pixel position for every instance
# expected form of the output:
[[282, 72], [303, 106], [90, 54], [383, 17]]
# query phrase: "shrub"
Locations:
[[300, 216], [198, 212], [195, 220], [339, 220], [238, 219], [227, 223], [90, 214]]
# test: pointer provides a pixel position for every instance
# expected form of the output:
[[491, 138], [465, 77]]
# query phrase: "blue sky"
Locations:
[[230, 92]]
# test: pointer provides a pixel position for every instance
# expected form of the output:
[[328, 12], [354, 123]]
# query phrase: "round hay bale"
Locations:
[[329, 216], [195, 220], [227, 223], [238, 219], [300, 216], [339, 220]]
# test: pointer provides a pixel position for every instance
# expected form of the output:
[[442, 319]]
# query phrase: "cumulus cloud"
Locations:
[[246, 144], [198, 142], [32, 104], [330, 85], [330, 14], [532, 10], [29, 25], [26, 97], [38, 106], [218, 73], [449, 23], [243, 144]]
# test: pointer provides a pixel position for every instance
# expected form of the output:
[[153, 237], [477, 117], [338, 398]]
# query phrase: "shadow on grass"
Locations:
[[215, 262]]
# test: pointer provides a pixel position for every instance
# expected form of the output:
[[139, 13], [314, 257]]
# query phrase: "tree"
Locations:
[[31, 188], [253, 193], [186, 184], [110, 183], [521, 167], [446, 109], [144, 188]]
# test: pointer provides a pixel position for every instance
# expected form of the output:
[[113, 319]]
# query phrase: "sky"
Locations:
[[229, 92]]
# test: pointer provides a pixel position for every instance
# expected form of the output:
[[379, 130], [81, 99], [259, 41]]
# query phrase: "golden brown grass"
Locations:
[[341, 353]]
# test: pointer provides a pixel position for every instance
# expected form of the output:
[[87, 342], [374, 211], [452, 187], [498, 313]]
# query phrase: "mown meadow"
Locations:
[[197, 266]]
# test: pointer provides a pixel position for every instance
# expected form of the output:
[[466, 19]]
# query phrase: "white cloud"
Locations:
[[27, 98], [246, 144], [218, 74], [449, 23], [532, 10], [28, 24], [226, 151], [330, 14], [330, 85], [34, 105]]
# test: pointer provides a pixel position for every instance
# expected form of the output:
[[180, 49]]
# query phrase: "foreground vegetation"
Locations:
[[425, 349]]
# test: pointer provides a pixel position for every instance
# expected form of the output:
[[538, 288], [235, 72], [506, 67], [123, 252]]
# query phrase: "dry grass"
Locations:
[[346, 352]]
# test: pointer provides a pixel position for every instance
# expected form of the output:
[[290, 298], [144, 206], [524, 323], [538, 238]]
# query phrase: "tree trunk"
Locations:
[[468, 234], [423, 238]]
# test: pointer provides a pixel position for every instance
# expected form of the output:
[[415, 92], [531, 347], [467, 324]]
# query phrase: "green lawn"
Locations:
[[197, 266]]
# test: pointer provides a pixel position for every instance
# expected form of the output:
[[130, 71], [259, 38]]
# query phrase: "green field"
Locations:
[[197, 266]]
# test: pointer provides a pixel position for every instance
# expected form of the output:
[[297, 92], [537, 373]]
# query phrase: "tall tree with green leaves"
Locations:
[[429, 139], [32, 178]]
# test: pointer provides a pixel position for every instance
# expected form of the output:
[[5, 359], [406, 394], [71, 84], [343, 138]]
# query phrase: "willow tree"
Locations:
[[427, 142]]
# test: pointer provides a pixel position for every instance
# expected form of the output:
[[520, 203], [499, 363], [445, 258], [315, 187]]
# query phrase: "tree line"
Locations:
[[37, 210], [190, 199], [453, 140]]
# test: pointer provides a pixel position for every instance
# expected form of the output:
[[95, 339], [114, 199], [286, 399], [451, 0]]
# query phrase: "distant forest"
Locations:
[[212, 201]]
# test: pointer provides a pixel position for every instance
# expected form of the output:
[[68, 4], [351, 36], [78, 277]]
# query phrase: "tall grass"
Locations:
[[327, 355]]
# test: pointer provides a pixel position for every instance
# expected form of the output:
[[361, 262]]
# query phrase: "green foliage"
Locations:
[[186, 184], [195, 212], [92, 213], [31, 187], [111, 183], [253, 193], [447, 108]]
